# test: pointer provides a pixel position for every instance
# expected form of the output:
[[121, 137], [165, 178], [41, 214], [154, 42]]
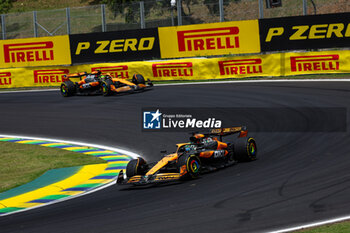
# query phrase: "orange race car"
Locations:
[[97, 83], [112, 85], [205, 152]]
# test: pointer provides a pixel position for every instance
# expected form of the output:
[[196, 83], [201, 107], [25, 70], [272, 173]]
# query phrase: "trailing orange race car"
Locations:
[[205, 152], [112, 85], [97, 83]]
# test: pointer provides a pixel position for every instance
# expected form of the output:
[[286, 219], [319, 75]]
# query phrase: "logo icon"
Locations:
[[5, 78], [152, 120], [208, 39], [173, 69], [315, 63], [49, 76], [29, 52], [246, 66]]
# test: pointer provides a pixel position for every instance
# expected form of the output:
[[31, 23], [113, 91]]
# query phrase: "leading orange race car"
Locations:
[[204, 153]]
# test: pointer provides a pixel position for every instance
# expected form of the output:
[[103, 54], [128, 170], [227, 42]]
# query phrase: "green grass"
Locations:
[[21, 163], [30, 5], [343, 227], [28, 88], [244, 9]]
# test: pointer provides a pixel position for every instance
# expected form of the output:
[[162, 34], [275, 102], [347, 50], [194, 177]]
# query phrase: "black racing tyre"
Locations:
[[138, 79], [67, 88], [106, 87], [231, 152], [245, 149], [134, 167], [191, 163]]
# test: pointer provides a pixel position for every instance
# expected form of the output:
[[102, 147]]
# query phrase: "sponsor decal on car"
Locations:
[[219, 154]]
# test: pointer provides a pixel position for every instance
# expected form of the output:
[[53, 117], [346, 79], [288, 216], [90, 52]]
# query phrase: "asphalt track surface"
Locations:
[[300, 177]]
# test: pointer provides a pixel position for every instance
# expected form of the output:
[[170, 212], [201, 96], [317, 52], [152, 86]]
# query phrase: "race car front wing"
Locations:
[[144, 180]]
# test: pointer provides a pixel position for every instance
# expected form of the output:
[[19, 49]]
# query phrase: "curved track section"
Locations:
[[299, 178], [81, 181]]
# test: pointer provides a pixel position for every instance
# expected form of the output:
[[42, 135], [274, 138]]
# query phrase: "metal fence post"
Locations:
[[179, 15], [68, 19], [261, 9], [35, 25], [142, 15], [221, 9], [103, 15], [304, 7], [3, 27], [172, 16]]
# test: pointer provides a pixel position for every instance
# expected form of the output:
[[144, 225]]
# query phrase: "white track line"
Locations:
[[211, 82], [24, 91], [134, 155], [256, 81], [74, 143]]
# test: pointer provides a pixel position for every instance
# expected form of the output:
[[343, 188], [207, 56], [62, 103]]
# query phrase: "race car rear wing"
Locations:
[[221, 132], [242, 130], [76, 75], [81, 74]]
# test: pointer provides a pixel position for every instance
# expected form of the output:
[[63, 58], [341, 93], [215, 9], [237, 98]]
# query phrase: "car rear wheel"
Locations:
[[231, 153], [106, 87], [138, 79], [134, 167], [189, 166], [67, 88], [245, 149]]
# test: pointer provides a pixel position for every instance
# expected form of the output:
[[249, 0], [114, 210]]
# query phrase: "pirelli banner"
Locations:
[[236, 37], [43, 51], [326, 62], [127, 45], [316, 63], [305, 32]]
